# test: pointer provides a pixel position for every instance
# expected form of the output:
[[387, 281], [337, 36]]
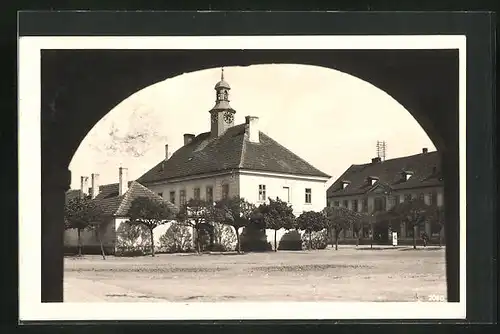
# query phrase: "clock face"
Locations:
[[214, 118], [228, 117]]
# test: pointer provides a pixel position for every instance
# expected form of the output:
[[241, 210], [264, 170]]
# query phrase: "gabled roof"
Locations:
[[113, 205], [426, 169], [230, 151]]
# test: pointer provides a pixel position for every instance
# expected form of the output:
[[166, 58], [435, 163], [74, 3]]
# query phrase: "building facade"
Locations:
[[114, 201], [378, 186], [236, 160]]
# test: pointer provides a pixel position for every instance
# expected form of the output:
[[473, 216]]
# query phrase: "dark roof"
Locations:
[[426, 169], [230, 151], [222, 84], [113, 205]]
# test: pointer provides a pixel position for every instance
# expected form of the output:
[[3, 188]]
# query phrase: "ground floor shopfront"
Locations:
[[381, 232]]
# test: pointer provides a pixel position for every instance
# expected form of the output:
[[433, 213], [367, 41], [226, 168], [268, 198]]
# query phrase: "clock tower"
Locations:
[[221, 115]]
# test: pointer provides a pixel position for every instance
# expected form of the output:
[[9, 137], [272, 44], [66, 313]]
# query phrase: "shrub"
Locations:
[[219, 248], [131, 252], [319, 240], [225, 236], [254, 240], [132, 240], [291, 240], [177, 239]]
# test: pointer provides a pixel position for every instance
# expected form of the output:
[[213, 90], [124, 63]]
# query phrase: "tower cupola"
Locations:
[[221, 115]]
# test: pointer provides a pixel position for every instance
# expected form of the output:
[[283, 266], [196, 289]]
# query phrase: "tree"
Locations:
[[436, 216], [80, 213], [96, 227], [235, 212], [276, 215], [311, 221], [340, 218], [150, 213], [413, 212], [356, 229], [198, 214]]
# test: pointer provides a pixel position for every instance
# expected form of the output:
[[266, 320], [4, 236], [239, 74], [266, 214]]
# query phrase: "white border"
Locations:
[[30, 307]]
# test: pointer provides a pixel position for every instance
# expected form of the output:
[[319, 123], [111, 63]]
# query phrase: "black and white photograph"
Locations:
[[251, 177]]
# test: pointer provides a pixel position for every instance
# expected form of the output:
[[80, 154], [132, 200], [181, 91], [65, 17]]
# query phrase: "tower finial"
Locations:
[[222, 73]]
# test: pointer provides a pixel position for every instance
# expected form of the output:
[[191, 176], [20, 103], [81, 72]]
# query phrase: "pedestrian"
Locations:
[[425, 237]]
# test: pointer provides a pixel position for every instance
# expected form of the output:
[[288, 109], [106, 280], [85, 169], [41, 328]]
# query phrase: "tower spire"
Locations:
[[222, 115]]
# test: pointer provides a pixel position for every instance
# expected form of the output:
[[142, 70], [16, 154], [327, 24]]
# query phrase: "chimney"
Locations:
[[122, 181], [95, 185], [425, 150], [376, 160], [84, 185], [166, 151], [188, 137], [252, 128]]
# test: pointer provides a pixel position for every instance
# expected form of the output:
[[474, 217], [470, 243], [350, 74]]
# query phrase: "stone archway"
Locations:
[[80, 86]]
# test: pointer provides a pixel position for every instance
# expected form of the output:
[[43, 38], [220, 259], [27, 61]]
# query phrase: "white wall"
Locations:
[[158, 232], [249, 189]]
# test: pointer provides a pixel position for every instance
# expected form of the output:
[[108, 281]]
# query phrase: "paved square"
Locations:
[[348, 274]]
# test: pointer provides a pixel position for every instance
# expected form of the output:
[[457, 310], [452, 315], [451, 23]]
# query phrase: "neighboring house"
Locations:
[[236, 160], [114, 200], [379, 185]]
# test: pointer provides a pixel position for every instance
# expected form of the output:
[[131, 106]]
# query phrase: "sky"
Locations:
[[329, 118]]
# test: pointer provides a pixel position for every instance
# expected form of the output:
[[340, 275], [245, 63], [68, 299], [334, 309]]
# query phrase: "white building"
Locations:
[[114, 200], [236, 160]]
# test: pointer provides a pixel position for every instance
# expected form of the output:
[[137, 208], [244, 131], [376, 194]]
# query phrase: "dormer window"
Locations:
[[345, 183], [405, 175], [371, 180]]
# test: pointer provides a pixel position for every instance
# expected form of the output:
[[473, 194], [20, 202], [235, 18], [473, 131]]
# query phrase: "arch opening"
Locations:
[[80, 86]]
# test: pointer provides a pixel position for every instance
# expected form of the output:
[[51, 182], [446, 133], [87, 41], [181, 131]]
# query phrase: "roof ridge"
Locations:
[[125, 197], [243, 150], [400, 158], [289, 151]]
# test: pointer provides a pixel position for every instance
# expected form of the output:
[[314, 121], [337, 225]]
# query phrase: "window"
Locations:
[[209, 194], [421, 197], [432, 198], [160, 194], [407, 197], [336, 203], [308, 195], [225, 191], [364, 205], [172, 197], [286, 194], [196, 194], [182, 197], [355, 205], [345, 203], [392, 201], [262, 192], [379, 204]]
